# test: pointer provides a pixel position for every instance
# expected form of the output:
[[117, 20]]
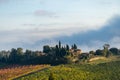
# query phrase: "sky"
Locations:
[[30, 24]]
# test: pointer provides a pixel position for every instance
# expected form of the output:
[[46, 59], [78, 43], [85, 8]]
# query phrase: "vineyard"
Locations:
[[11, 71], [103, 71]]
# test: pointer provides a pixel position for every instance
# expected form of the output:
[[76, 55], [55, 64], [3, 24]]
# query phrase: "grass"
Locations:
[[104, 59], [98, 69], [12, 71], [102, 71]]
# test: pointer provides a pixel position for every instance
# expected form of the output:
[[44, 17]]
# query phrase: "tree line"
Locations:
[[58, 54]]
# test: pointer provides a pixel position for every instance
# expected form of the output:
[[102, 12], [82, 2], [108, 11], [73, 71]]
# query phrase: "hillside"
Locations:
[[8, 72], [101, 59], [68, 63], [102, 71]]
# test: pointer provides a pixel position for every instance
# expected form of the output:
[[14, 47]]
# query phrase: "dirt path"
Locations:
[[97, 58]]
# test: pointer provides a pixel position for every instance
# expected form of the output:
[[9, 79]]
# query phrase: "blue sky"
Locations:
[[32, 23]]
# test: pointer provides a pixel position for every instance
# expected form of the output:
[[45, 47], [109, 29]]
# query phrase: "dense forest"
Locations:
[[58, 54]]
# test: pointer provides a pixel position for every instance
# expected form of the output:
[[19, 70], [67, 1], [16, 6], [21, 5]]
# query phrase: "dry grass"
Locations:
[[100, 59], [12, 71]]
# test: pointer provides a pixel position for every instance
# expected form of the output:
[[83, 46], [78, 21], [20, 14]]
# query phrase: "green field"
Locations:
[[102, 71]]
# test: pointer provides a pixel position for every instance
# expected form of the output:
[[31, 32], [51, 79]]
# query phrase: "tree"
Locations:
[[91, 54], [19, 54], [75, 46], [46, 49], [114, 51], [99, 52], [72, 47], [57, 51], [106, 46], [67, 47], [4, 56], [63, 52], [59, 45], [106, 52], [19, 51], [13, 56], [83, 56], [28, 54]]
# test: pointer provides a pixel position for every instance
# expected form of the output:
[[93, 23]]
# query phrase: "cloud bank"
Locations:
[[93, 39], [85, 37]]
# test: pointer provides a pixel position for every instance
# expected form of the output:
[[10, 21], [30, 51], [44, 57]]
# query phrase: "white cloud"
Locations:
[[115, 42], [74, 17]]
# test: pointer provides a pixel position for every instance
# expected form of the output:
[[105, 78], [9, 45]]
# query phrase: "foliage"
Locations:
[[46, 49], [74, 46], [115, 51], [54, 55]]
